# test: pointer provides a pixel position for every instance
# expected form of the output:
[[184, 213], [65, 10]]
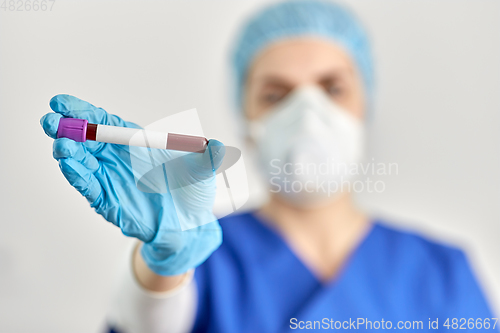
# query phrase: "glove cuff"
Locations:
[[161, 264]]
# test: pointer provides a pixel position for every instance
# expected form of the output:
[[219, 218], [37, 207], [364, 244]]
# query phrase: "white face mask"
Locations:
[[305, 146]]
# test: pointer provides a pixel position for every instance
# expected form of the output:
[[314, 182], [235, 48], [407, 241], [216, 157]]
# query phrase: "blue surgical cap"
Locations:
[[302, 18]]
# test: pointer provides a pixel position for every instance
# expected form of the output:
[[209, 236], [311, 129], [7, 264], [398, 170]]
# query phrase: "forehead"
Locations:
[[300, 59]]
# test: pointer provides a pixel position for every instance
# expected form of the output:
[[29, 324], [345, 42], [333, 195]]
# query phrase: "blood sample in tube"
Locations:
[[81, 130]]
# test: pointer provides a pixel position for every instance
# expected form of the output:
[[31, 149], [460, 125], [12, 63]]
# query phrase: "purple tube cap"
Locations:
[[72, 128]]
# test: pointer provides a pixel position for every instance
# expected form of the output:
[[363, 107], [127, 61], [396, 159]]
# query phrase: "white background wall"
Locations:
[[437, 116]]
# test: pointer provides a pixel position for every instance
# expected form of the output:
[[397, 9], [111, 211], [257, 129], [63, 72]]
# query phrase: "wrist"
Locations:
[[150, 280]]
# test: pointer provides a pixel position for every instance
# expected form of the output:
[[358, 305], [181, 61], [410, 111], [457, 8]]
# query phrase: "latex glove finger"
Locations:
[[185, 170], [81, 178], [216, 152], [203, 166], [50, 123], [67, 148], [71, 106]]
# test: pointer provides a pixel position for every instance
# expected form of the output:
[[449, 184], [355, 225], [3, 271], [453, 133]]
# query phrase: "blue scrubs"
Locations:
[[394, 279]]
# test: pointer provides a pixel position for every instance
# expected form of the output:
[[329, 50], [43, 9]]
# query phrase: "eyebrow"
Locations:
[[334, 73], [274, 80], [277, 80]]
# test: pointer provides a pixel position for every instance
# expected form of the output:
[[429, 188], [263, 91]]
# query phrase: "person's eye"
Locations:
[[271, 98], [334, 90]]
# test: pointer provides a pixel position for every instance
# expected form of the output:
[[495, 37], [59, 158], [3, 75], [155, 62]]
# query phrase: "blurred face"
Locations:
[[288, 64]]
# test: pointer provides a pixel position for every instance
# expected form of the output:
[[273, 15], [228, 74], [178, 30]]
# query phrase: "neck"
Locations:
[[322, 237], [336, 216]]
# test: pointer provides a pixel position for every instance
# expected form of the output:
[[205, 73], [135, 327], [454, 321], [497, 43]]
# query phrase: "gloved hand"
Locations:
[[103, 174]]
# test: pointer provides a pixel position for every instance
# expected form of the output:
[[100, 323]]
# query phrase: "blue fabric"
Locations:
[[302, 18], [113, 330], [255, 283]]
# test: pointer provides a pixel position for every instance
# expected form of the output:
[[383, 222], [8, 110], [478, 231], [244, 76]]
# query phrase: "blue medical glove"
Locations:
[[103, 173]]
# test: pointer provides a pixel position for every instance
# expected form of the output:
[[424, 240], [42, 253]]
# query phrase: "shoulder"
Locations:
[[410, 253], [398, 244], [437, 273]]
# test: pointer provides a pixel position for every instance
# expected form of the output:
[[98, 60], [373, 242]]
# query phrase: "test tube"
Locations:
[[81, 130]]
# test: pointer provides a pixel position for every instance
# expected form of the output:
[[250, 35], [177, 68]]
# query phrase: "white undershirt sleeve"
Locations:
[[137, 310]]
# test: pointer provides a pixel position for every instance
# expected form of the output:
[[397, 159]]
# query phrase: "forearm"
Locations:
[[157, 304], [148, 279]]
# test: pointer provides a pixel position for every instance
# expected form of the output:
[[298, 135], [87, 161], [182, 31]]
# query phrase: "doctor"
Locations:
[[309, 258]]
